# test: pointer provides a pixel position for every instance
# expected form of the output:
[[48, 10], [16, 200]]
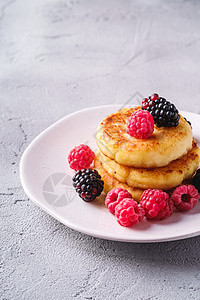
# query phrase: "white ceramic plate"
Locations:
[[46, 179]]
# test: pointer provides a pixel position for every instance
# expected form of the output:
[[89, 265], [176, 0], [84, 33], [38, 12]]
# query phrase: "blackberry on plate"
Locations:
[[164, 113], [196, 180], [88, 184]]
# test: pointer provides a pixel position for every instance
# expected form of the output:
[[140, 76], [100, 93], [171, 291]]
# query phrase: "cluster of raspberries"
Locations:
[[128, 212], [154, 204]]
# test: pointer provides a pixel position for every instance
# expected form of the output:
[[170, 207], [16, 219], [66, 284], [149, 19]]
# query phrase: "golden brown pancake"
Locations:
[[112, 183], [164, 178], [162, 147]]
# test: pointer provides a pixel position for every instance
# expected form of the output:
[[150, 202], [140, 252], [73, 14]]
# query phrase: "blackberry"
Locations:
[[88, 184], [164, 113], [196, 180]]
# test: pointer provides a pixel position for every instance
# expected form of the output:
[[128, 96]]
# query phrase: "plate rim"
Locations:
[[62, 220]]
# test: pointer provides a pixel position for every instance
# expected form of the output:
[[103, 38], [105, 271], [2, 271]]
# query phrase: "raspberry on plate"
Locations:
[[185, 197], [114, 197], [88, 184], [129, 212], [140, 124], [157, 204], [80, 157]]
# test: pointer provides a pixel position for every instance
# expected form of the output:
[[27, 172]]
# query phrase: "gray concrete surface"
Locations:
[[57, 57]]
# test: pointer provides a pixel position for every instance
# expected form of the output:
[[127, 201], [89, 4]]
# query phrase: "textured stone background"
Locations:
[[57, 57]]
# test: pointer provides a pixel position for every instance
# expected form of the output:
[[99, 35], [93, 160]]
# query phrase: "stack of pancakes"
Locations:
[[162, 161]]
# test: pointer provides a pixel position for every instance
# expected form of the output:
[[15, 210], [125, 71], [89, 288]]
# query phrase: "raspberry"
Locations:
[[157, 204], [80, 157], [196, 180], [129, 212], [164, 113], [185, 197], [88, 184], [114, 197], [140, 124]]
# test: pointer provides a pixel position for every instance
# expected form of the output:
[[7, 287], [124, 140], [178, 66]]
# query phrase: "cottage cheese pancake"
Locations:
[[162, 147], [112, 183], [155, 178]]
